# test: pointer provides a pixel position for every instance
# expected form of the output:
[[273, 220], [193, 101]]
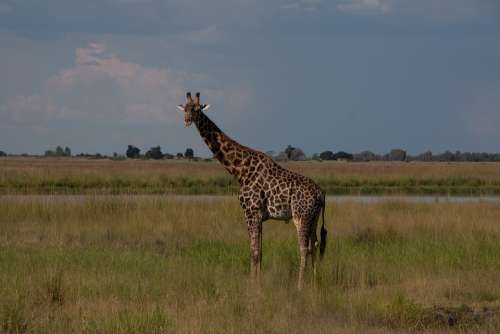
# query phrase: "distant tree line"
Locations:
[[457, 156], [401, 155], [155, 152], [397, 154], [58, 152], [289, 153], [132, 152]]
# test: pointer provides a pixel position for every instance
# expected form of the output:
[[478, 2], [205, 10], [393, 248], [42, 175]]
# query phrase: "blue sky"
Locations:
[[347, 75]]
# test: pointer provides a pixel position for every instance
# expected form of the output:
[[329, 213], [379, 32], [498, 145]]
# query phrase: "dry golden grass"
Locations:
[[71, 175], [179, 168], [164, 265]]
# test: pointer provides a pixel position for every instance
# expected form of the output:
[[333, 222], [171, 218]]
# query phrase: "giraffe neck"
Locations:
[[229, 152]]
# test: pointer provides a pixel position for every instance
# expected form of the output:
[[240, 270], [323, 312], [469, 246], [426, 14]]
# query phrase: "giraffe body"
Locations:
[[279, 193], [267, 190]]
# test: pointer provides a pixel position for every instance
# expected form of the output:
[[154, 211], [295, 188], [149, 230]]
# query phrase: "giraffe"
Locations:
[[267, 190]]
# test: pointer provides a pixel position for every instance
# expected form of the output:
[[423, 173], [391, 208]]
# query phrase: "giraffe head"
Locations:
[[192, 109]]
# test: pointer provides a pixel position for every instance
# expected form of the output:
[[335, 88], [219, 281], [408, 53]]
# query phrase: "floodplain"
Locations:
[[116, 262], [77, 176]]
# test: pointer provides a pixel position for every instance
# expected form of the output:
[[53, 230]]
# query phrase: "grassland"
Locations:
[[160, 265], [81, 176]]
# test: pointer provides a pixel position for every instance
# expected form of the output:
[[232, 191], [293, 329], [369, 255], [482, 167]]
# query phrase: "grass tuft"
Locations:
[[161, 265], [54, 288], [13, 317], [83, 176]]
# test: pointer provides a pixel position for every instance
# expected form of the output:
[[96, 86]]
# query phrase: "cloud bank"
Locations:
[[365, 7], [102, 87]]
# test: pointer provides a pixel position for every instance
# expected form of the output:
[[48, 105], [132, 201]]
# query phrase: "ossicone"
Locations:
[[197, 100]]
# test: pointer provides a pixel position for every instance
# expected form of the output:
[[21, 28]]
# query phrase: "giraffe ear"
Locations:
[[205, 107], [180, 107]]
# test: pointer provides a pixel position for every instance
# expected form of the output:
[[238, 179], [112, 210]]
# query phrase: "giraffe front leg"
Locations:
[[255, 236]]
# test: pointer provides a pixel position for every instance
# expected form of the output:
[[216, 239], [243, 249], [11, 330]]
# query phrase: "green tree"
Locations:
[[59, 151], [294, 153], [366, 156], [327, 155], [189, 154], [154, 153], [341, 155], [133, 152], [426, 156], [397, 154], [288, 151]]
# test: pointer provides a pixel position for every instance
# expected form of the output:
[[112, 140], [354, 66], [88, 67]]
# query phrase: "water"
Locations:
[[414, 199], [331, 199]]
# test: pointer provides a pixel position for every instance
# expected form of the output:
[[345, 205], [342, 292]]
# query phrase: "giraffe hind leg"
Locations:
[[303, 238], [313, 242], [313, 245], [306, 231]]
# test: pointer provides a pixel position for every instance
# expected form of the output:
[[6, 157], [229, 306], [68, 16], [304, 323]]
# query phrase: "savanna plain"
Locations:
[[114, 262]]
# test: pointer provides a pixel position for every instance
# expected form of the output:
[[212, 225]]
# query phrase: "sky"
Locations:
[[351, 75]]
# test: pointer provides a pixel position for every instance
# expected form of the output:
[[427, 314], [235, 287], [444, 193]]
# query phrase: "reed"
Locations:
[[82, 176], [165, 265]]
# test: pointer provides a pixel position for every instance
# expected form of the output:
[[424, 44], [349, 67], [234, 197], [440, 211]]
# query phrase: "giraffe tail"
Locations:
[[324, 232]]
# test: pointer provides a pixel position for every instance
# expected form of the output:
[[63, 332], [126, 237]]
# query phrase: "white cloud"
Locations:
[[365, 7], [101, 86], [294, 5], [309, 5]]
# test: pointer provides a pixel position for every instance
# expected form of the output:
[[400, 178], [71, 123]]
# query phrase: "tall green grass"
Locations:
[[79, 176], [226, 184], [167, 266]]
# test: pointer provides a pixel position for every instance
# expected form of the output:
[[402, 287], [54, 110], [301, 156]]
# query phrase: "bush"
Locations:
[[294, 153], [327, 155], [397, 155], [341, 155], [189, 154], [133, 152], [154, 153]]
